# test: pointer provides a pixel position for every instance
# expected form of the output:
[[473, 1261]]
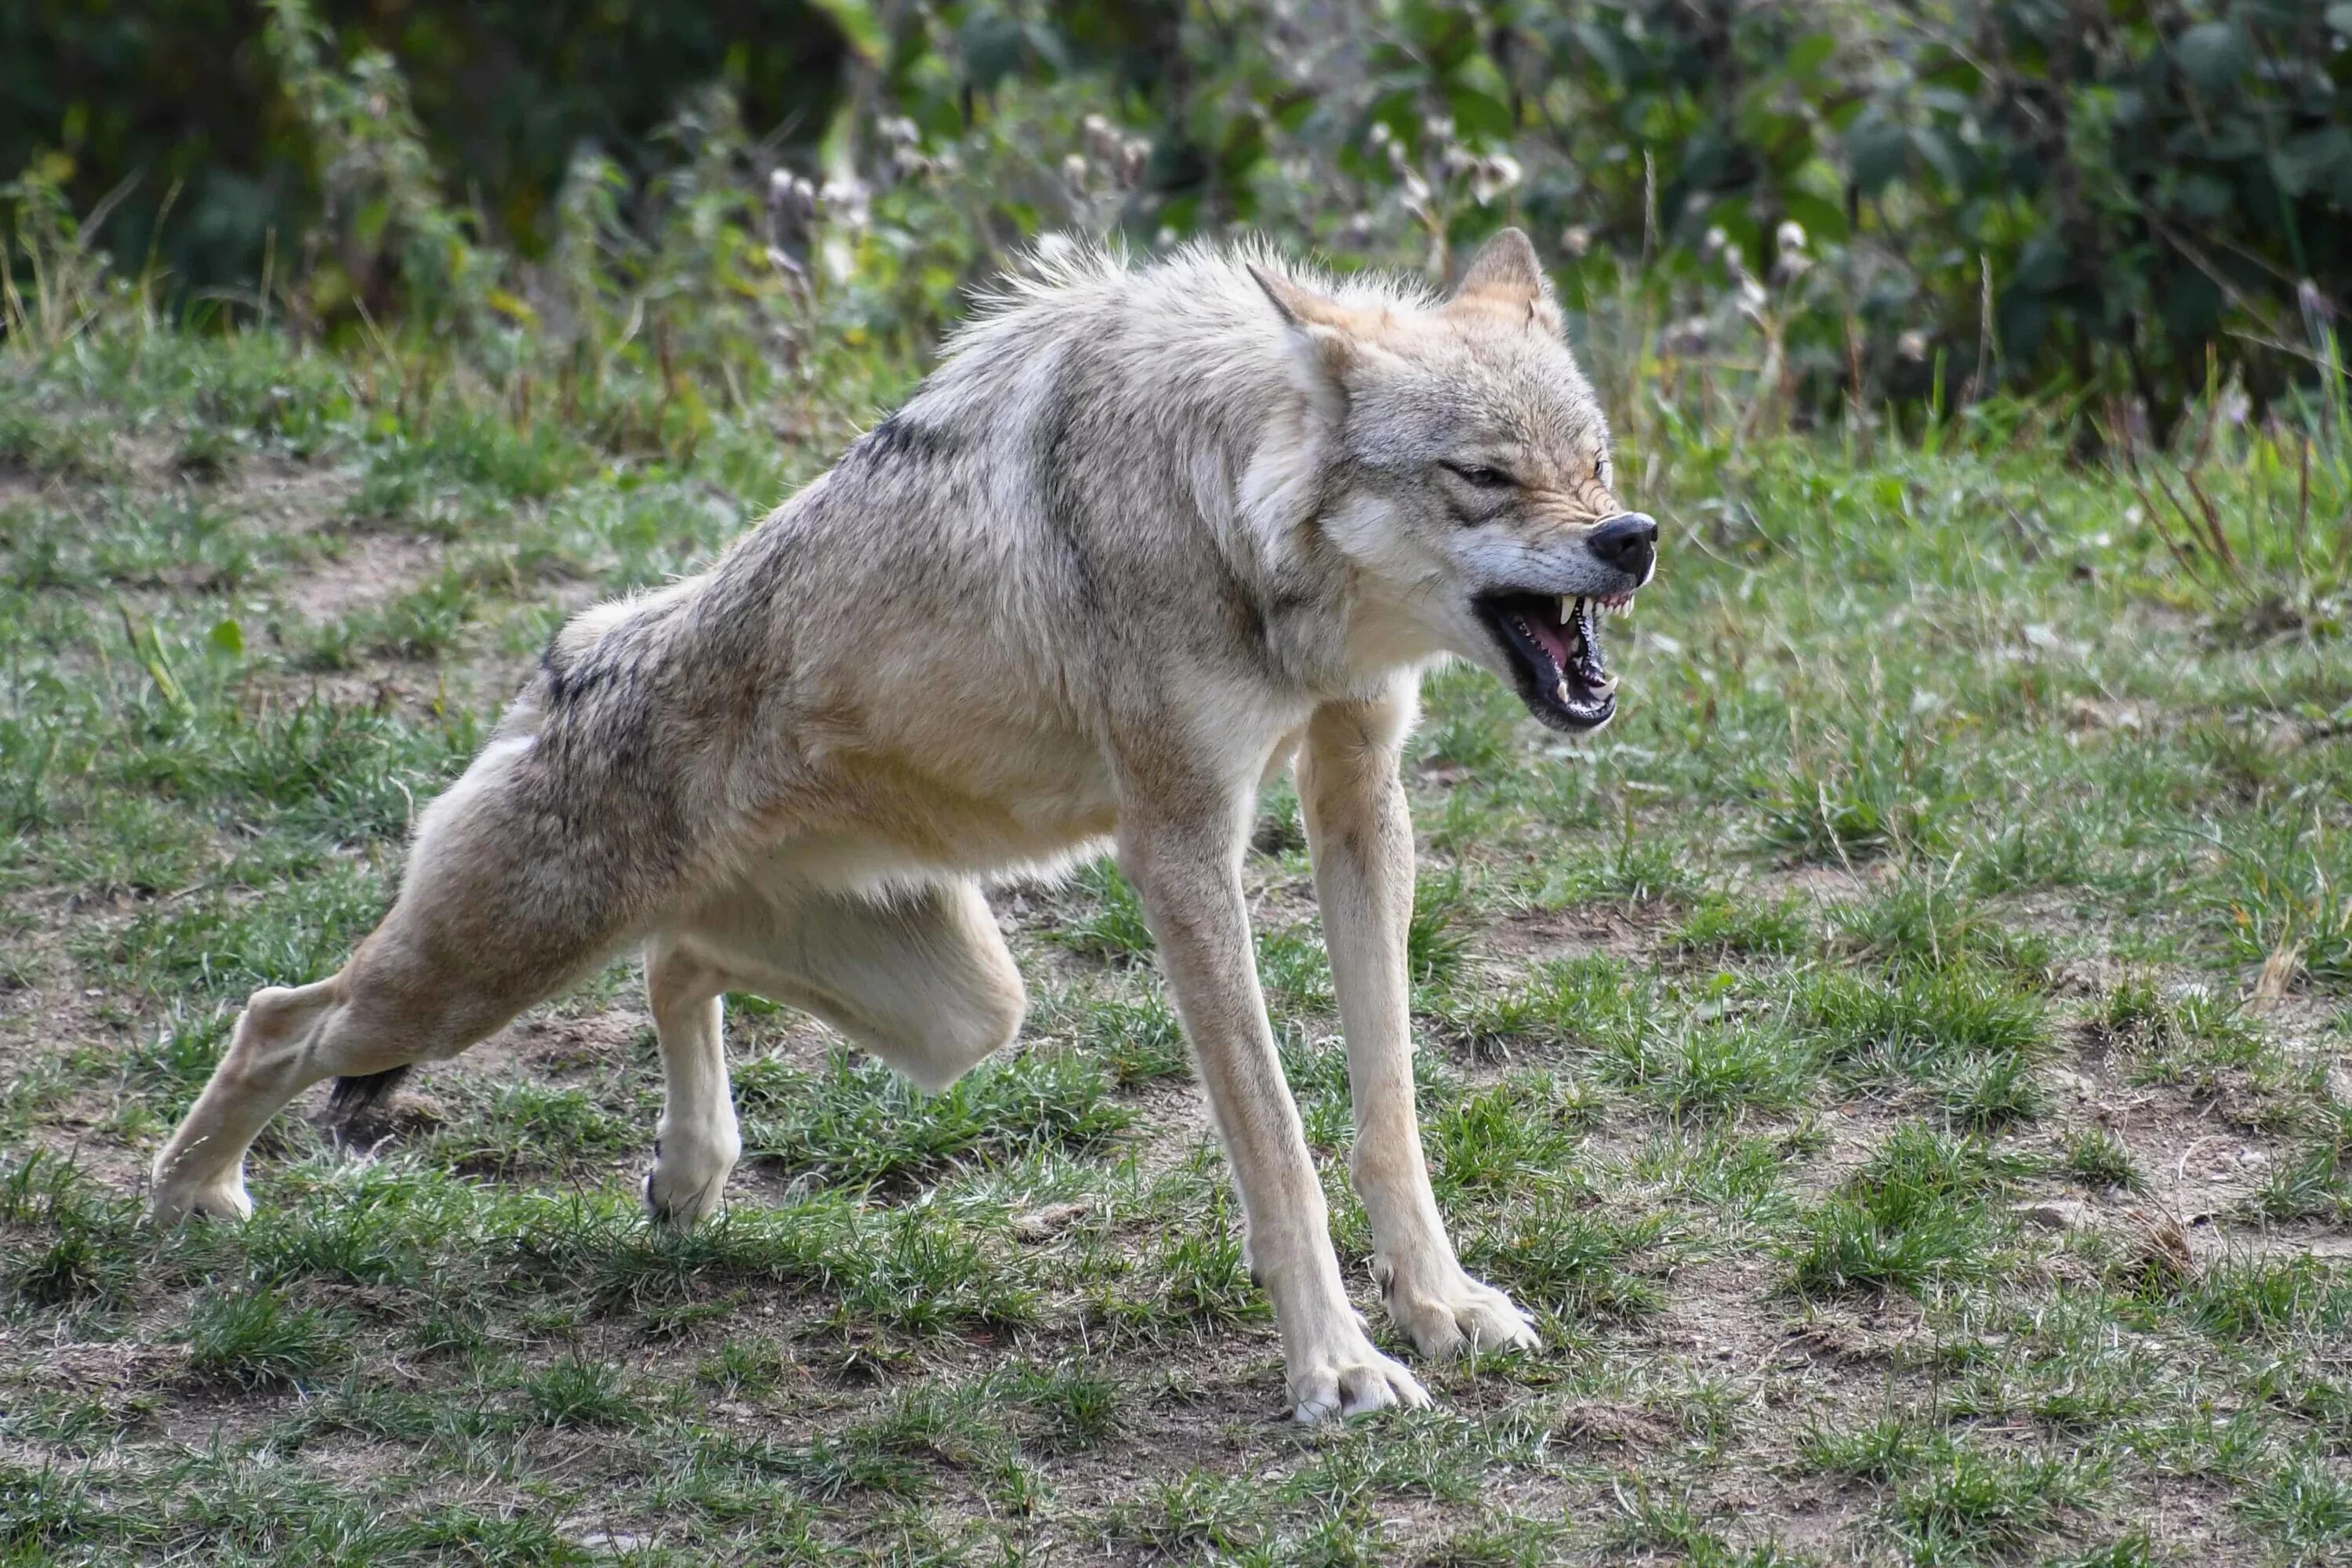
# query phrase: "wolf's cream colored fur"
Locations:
[[1144, 537]]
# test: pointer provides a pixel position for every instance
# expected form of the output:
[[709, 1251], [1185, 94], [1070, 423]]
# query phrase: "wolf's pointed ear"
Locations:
[[1505, 270], [1326, 336], [1507, 277], [1300, 306]]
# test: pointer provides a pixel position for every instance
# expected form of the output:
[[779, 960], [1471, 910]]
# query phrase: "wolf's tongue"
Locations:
[[1551, 637]]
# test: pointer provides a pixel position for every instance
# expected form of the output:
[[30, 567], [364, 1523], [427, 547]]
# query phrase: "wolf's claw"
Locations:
[[1354, 1380]]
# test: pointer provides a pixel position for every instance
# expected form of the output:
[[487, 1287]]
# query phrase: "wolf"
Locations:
[[1146, 536]]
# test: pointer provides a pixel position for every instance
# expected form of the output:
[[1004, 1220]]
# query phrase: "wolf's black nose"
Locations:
[[1629, 541]]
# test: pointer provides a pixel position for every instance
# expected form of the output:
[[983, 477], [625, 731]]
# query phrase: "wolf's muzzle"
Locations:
[[1627, 542]]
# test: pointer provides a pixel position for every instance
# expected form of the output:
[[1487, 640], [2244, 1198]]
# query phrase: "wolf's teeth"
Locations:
[[1567, 609], [1560, 691]]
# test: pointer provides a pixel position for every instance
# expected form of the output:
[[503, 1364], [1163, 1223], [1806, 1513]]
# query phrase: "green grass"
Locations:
[[857, 1125], [576, 1393], [1915, 1218], [1711, 1073], [2096, 1157], [1724, 925], [2303, 1509], [2312, 1181], [254, 1337], [1925, 877], [2264, 1299]]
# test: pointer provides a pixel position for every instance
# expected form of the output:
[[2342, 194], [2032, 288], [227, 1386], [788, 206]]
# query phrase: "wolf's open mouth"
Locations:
[[1563, 677]]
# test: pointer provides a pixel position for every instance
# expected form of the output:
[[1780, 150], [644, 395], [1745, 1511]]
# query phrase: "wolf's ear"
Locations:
[[1327, 335], [1300, 306], [1505, 270], [1506, 276]]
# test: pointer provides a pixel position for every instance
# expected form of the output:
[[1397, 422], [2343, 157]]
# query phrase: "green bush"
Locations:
[[1792, 209], [182, 96]]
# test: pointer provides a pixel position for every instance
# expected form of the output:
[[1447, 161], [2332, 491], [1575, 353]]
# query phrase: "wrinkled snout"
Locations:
[[1627, 542]]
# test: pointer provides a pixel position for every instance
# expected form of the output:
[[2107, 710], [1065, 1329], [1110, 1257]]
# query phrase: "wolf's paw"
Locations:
[[682, 1191], [1351, 1379], [1457, 1316], [175, 1203]]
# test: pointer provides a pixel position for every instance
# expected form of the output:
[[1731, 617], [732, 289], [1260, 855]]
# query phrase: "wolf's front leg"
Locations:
[[1362, 836], [698, 1141], [1186, 864]]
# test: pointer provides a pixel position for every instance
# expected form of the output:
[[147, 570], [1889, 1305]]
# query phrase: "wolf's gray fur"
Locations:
[[1144, 537]]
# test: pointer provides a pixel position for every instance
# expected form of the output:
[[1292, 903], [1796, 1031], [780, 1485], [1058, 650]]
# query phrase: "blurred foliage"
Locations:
[[190, 99], [1788, 211]]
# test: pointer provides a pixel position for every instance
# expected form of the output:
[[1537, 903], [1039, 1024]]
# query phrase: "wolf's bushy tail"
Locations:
[[363, 1099]]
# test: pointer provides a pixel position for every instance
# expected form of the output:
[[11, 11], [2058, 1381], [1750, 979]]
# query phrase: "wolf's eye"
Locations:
[[1481, 474]]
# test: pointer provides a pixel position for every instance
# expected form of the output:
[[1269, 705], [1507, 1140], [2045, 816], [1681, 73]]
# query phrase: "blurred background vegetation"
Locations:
[[1776, 215]]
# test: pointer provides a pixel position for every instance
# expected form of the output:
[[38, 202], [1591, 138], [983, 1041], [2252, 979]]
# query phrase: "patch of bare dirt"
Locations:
[[368, 569], [553, 1045], [1603, 1425], [1617, 930], [1822, 884], [276, 492], [93, 1366]]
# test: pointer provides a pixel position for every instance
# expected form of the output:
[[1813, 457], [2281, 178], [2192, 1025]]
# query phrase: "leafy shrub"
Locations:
[[199, 84], [1811, 207]]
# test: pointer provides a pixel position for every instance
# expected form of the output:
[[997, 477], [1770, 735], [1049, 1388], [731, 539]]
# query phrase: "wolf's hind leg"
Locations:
[[379, 1013], [922, 979], [475, 936]]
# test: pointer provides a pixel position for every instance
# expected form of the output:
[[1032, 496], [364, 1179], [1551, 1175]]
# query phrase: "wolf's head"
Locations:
[[1470, 463]]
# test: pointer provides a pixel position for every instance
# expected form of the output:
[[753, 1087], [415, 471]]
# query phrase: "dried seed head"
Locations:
[[1494, 176]]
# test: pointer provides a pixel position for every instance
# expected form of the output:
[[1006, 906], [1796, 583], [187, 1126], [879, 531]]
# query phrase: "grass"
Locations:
[[2304, 1510], [1722, 925], [1934, 872], [2096, 1157], [2258, 1300], [254, 1337], [854, 1123], [1915, 1218]]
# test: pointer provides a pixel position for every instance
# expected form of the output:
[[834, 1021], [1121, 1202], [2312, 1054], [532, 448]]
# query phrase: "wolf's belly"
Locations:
[[875, 818]]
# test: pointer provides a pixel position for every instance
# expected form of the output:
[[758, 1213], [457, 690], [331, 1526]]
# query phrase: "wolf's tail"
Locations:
[[363, 1099]]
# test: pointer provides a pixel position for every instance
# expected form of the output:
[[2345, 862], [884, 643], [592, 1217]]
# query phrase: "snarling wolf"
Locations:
[[1145, 537]]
